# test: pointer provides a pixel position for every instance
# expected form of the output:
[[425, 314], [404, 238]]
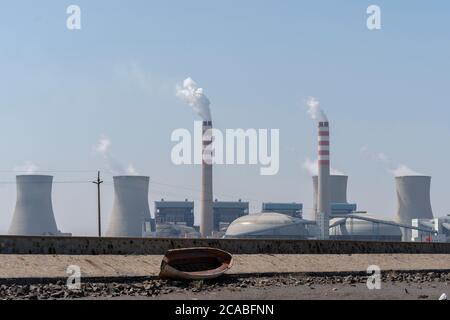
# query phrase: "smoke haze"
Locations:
[[312, 168], [315, 111], [103, 147], [26, 168], [397, 170], [195, 97]]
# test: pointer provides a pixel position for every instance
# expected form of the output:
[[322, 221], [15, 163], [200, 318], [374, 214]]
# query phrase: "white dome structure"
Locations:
[[33, 215], [271, 225], [131, 209], [364, 228]]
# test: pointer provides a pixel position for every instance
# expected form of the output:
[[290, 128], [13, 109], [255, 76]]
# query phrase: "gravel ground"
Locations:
[[395, 285]]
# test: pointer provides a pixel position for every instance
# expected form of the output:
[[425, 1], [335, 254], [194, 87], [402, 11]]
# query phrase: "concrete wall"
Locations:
[[143, 246]]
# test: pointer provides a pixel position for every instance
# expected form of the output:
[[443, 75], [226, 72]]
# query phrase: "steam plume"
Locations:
[[27, 168], [311, 167], [397, 170], [195, 97], [103, 147], [315, 111]]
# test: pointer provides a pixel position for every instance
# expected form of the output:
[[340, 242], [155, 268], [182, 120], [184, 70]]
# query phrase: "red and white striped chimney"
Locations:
[[324, 207], [206, 209]]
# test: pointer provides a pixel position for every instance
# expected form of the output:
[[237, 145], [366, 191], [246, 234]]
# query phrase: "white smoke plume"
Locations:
[[315, 111], [103, 147], [27, 168], [195, 97], [397, 170], [403, 170], [313, 169]]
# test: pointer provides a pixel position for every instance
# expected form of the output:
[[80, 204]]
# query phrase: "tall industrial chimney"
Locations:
[[130, 208], [323, 203], [338, 189], [206, 207], [33, 215], [413, 196]]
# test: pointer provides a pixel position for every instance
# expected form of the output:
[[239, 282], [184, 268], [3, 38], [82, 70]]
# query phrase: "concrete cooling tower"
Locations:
[[33, 215], [413, 197], [130, 209], [338, 189]]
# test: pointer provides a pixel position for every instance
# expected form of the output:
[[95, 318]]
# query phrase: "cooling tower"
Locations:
[[130, 208], [338, 189], [323, 185], [413, 196], [33, 215], [206, 205]]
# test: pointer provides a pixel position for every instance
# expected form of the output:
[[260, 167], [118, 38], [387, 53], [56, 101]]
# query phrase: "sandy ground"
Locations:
[[48, 266]]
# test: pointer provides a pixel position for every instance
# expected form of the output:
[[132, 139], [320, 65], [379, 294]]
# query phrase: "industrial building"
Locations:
[[33, 214], [176, 231], [174, 212], [225, 212], [271, 225], [291, 209], [362, 227], [441, 227], [131, 212]]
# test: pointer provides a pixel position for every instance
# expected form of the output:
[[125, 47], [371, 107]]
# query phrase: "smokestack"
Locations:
[[206, 207], [413, 196], [130, 208], [323, 162], [197, 99], [33, 215], [338, 189]]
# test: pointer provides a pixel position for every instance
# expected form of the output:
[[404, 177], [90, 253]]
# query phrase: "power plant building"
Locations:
[[290, 209], [364, 228], [439, 230], [131, 212], [174, 212], [33, 214], [225, 212]]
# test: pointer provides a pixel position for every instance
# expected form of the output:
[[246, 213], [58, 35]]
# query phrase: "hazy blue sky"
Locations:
[[258, 61]]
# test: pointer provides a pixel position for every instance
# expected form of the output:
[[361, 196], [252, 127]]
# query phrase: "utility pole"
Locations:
[[98, 182]]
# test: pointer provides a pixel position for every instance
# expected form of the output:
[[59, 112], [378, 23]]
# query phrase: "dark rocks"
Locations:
[[154, 288]]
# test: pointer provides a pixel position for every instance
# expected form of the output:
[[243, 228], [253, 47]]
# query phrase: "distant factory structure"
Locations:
[[334, 217], [436, 230], [272, 225], [290, 209], [225, 212], [174, 212]]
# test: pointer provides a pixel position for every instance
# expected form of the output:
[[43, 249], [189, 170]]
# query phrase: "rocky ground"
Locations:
[[397, 285]]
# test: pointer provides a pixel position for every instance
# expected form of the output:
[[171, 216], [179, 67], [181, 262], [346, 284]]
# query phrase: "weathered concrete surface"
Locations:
[[113, 266], [148, 246]]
